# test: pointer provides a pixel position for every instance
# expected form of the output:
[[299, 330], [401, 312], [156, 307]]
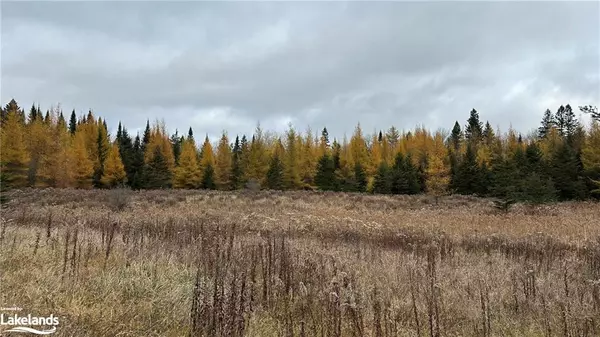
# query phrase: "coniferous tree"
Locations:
[[467, 179], [208, 178], [113, 173], [592, 110], [157, 172], [548, 122], [14, 158], [73, 122], [237, 172], [383, 181], [84, 166], [474, 128], [138, 166], [274, 179], [325, 177], [176, 145], [187, 174], [360, 177], [223, 163], [126, 151], [567, 174], [103, 147]]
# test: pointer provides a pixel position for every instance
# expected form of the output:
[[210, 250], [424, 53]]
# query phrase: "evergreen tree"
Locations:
[[137, 165], [126, 151], [223, 163], [456, 138], [566, 174], [73, 122], [146, 138], [157, 173], [208, 178], [325, 178], [176, 145], [468, 177], [84, 166], [237, 172], [103, 147], [474, 128], [360, 177], [592, 110], [275, 173], [548, 122], [190, 135], [383, 181], [488, 134]]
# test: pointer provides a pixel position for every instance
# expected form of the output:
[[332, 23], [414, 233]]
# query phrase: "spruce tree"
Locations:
[[275, 173], [474, 128], [360, 178], [456, 138], [157, 173], [137, 165], [236, 165], [208, 178], [467, 179], [325, 178], [548, 122], [592, 110], [73, 123], [567, 174], [382, 183]]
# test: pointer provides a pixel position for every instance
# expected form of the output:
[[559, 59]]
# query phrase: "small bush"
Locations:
[[253, 185], [119, 199]]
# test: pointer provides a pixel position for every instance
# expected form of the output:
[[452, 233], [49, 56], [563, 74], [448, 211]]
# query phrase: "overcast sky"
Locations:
[[229, 65]]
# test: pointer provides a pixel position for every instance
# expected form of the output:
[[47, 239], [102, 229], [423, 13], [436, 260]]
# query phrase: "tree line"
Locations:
[[560, 161]]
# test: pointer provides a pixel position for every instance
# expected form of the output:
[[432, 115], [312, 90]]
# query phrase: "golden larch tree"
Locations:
[[187, 174], [114, 170], [223, 163], [84, 166], [14, 155], [590, 153]]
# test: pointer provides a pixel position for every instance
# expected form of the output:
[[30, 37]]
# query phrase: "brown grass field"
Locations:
[[196, 263]]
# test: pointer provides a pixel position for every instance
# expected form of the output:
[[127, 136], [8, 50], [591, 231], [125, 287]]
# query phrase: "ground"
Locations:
[[195, 263]]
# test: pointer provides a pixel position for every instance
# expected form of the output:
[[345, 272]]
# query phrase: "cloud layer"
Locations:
[[229, 65]]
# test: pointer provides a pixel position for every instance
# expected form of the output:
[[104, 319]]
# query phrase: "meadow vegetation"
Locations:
[[298, 263]]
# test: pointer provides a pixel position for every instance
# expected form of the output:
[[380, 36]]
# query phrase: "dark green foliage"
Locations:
[[325, 178], [275, 174], [236, 168], [73, 123], [548, 122], [127, 153], [566, 121], [474, 128], [4, 187], [157, 174], [405, 179], [137, 165], [208, 178], [469, 177], [360, 178], [146, 137], [592, 110], [382, 184], [567, 174], [190, 135], [455, 137], [336, 154], [176, 143], [537, 189]]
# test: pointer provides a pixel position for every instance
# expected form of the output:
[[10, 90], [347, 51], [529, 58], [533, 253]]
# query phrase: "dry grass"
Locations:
[[191, 263]]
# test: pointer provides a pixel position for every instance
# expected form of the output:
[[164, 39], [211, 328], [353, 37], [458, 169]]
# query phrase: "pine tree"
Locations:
[[187, 174], [456, 138], [176, 145], [157, 172], [592, 110], [73, 123], [325, 177], [103, 148], [208, 178], [467, 179], [548, 122], [237, 172], [566, 174], [113, 173], [138, 165], [360, 177], [127, 153], [383, 181], [274, 179], [292, 167], [474, 128]]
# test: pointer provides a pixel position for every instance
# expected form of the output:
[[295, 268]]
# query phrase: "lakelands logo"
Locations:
[[27, 324]]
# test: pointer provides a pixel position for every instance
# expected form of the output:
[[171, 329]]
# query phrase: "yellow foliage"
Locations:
[[14, 155], [84, 167], [223, 163], [590, 153], [114, 171], [187, 174]]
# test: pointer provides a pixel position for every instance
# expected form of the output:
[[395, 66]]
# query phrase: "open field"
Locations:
[[195, 263]]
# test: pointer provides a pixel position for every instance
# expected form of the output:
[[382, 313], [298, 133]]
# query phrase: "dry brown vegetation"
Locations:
[[194, 263]]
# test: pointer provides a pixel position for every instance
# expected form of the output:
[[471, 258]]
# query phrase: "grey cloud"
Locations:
[[324, 64]]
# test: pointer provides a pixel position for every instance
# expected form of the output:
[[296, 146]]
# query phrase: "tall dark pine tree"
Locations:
[[360, 178], [474, 128], [157, 174], [325, 178], [32, 114], [138, 167], [190, 135], [405, 178], [176, 145], [380, 137], [382, 183], [567, 174], [455, 137], [325, 137], [548, 122], [468, 178], [488, 134], [127, 152], [337, 152], [236, 165], [146, 138], [73, 123], [275, 173], [208, 178]]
